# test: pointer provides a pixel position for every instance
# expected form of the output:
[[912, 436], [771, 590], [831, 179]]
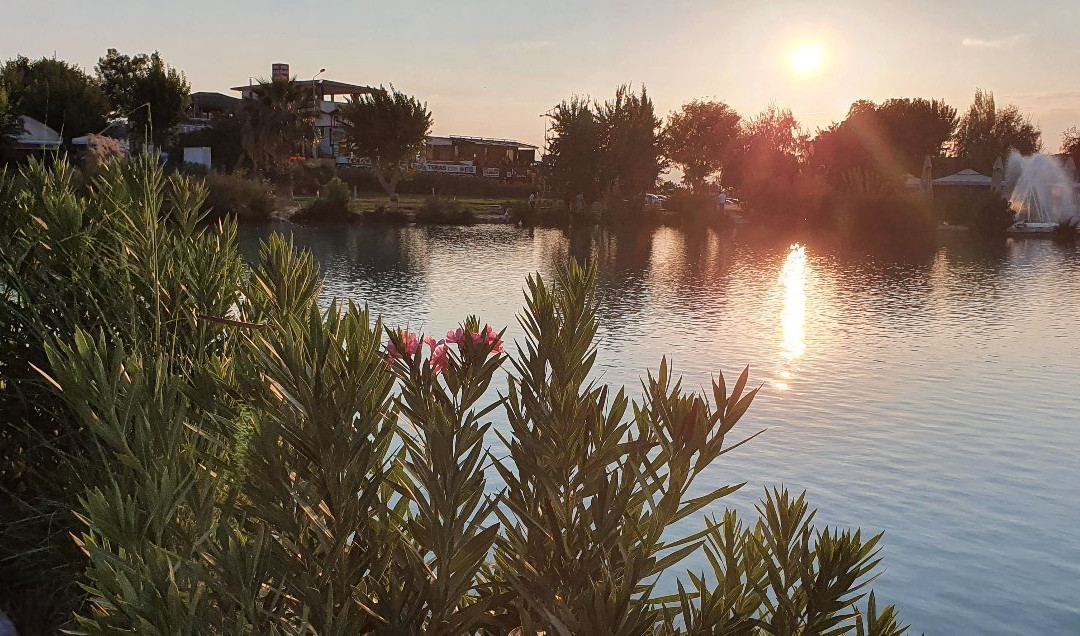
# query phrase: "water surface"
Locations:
[[935, 396]]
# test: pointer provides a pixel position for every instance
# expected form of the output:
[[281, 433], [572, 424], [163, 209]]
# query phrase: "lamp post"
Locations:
[[315, 102]]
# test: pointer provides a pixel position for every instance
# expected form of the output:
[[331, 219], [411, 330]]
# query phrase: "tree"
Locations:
[[772, 145], [277, 121], [154, 96], [1070, 144], [389, 128], [224, 137], [58, 94], [700, 140], [889, 139], [631, 152], [987, 133], [10, 126], [572, 160], [118, 74]]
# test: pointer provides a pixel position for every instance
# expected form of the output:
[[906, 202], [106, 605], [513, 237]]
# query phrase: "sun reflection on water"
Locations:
[[793, 315]]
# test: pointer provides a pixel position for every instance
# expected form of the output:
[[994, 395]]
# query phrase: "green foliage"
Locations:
[[769, 158], [573, 156], [276, 122], [890, 139], [10, 127], [423, 183], [700, 139], [987, 133], [1070, 144], [59, 94], [885, 218], [439, 210], [234, 458], [154, 96], [224, 137], [688, 206], [238, 196], [122, 258], [631, 149], [599, 147], [387, 127], [332, 204]]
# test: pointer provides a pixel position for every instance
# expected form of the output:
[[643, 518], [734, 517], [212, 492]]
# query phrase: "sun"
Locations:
[[806, 58]]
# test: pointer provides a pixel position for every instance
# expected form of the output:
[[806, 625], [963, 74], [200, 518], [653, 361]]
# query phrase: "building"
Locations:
[[502, 159], [324, 94]]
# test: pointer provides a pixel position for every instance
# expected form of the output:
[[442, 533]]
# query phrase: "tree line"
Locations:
[[614, 149], [596, 147]]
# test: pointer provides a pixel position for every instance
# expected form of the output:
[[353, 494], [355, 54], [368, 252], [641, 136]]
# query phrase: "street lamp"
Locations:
[[315, 102]]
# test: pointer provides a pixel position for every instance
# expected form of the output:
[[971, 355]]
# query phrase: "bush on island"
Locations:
[[442, 211], [331, 205]]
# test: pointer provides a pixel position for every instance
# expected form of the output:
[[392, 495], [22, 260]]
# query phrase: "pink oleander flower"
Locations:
[[492, 339], [440, 355], [409, 339], [487, 336]]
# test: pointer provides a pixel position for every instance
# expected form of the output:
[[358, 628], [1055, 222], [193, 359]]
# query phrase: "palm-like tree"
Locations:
[[277, 121]]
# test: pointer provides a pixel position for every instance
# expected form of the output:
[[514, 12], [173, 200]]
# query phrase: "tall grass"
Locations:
[[199, 448]]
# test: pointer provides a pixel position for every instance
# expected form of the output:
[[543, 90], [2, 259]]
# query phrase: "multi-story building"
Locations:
[[324, 95]]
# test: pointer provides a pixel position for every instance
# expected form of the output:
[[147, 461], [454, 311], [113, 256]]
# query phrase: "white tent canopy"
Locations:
[[37, 134], [968, 178]]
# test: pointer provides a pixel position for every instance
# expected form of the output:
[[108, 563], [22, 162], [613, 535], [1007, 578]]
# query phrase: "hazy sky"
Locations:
[[491, 68]]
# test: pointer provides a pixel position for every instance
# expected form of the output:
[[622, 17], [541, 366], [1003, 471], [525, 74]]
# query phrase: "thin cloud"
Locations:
[[999, 43]]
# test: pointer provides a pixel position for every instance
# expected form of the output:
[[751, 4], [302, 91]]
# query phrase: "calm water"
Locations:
[[935, 397]]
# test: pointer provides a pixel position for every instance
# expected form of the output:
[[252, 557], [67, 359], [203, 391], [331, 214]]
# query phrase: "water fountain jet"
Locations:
[[1043, 193]]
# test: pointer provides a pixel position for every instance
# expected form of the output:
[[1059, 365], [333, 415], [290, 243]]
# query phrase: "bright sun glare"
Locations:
[[806, 58]]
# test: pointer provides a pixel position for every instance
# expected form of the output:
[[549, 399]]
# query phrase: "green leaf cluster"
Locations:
[[201, 447]]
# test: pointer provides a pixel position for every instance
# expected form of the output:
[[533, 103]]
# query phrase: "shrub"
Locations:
[[383, 213], [242, 198], [243, 460], [446, 185], [332, 204], [885, 219], [1067, 231], [309, 177], [992, 216], [693, 207], [437, 210], [980, 209]]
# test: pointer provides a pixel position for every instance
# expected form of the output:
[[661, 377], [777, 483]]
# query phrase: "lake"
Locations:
[[934, 396]]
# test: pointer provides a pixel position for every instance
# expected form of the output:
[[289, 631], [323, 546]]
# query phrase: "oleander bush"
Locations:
[[195, 446]]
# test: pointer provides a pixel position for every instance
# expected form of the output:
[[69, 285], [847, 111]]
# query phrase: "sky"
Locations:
[[493, 68]]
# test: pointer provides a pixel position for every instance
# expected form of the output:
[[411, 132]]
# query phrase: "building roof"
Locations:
[[965, 178], [206, 100], [483, 141], [37, 134], [326, 87]]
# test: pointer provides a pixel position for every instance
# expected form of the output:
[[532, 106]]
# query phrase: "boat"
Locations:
[[1032, 228]]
